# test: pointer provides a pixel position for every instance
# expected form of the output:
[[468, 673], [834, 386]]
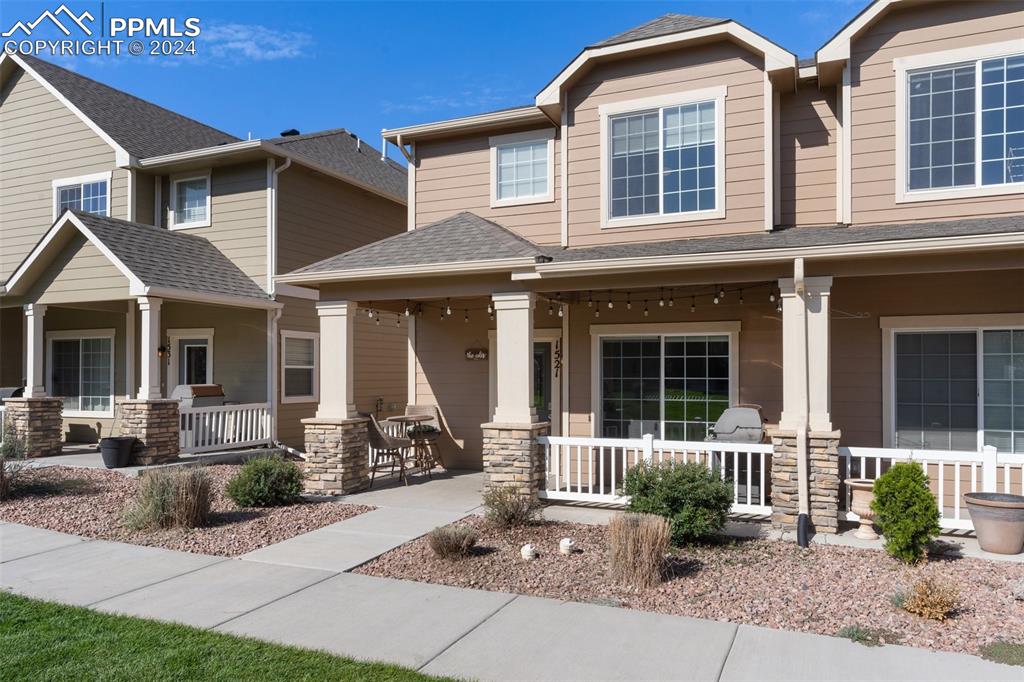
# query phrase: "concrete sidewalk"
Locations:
[[438, 629]]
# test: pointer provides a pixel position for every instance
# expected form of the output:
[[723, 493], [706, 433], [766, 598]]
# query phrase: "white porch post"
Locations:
[[806, 353], [514, 403], [337, 347], [34, 349], [149, 365]]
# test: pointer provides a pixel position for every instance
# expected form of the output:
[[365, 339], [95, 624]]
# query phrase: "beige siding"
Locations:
[[320, 216], [667, 73], [913, 31], [454, 175], [80, 273], [807, 160], [144, 191], [42, 141]]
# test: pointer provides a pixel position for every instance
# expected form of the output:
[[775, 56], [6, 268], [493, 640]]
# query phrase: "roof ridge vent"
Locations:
[[291, 132]]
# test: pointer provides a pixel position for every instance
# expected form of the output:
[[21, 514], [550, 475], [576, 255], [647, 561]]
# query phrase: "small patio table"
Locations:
[[421, 448]]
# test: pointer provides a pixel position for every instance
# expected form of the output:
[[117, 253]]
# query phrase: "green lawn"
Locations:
[[45, 641]]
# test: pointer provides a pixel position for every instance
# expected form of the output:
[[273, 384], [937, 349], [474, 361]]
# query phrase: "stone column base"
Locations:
[[156, 425], [37, 422], [337, 456], [823, 480], [513, 457]]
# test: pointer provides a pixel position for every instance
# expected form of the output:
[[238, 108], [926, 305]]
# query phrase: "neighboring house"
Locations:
[[138, 250], [687, 218]]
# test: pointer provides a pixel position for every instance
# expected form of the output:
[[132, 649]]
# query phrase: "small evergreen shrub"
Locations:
[[452, 542], [906, 511], [171, 498], [691, 496], [637, 544], [929, 598], [504, 507], [266, 482]]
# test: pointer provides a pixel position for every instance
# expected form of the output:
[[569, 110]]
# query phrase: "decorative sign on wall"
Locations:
[[476, 353]]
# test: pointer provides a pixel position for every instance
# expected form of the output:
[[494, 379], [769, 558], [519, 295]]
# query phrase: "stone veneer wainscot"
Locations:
[[38, 422], [156, 426], [513, 457], [823, 480], [337, 456]]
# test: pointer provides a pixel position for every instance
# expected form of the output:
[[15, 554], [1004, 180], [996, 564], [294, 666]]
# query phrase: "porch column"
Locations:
[[514, 376], [337, 348], [806, 354], [34, 348], [149, 365]]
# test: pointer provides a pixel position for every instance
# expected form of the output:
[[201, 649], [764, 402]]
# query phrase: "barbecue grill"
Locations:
[[199, 395], [739, 424], [10, 392]]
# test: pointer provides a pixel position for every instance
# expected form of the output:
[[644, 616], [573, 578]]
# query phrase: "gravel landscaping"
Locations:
[[772, 584], [91, 503]]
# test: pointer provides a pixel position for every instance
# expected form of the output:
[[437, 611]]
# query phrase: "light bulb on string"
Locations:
[[551, 309], [407, 309], [661, 301], [771, 296], [646, 310], [741, 296], [693, 304], [716, 299], [398, 321], [467, 316], [560, 310], [490, 308], [629, 304], [448, 306], [590, 300], [369, 311], [671, 298], [721, 292], [597, 311]]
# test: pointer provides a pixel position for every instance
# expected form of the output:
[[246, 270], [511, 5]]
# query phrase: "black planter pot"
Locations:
[[117, 451]]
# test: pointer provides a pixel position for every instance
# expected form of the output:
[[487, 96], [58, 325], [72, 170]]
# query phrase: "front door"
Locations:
[[194, 363], [542, 378]]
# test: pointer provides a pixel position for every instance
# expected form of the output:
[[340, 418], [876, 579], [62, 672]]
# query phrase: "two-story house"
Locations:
[[688, 218], [138, 251]]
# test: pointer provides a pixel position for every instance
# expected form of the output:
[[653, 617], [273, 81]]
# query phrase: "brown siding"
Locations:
[[807, 160], [11, 331], [454, 175], [901, 33], [672, 72]]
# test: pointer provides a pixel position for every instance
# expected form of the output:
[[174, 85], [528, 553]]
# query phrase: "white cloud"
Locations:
[[251, 42], [477, 99]]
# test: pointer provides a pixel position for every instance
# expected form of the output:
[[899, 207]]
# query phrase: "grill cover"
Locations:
[[11, 392], [199, 395], [739, 424]]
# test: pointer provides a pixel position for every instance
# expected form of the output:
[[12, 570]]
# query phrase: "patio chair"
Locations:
[[387, 450], [429, 431]]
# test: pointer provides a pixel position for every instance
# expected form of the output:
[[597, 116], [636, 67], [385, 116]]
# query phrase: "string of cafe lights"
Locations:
[[596, 301]]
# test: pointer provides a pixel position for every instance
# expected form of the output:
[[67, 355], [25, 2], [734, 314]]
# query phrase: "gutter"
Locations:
[[456, 268], [802, 417]]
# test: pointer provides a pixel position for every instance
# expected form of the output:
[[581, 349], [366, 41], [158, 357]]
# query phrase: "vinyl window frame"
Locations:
[[315, 368], [82, 335], [903, 67], [174, 365], [60, 183], [716, 94], [546, 136], [172, 201]]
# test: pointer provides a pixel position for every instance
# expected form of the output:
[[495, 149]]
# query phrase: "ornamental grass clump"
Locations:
[[637, 545], [906, 511], [266, 482], [452, 542], [171, 498], [693, 498], [931, 599], [505, 507]]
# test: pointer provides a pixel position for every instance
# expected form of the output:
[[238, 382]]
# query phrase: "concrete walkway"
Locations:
[[438, 629]]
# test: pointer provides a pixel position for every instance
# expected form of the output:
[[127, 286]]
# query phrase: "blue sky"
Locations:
[[263, 67]]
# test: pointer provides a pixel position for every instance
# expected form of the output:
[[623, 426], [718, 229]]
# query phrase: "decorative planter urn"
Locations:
[[998, 521], [863, 493]]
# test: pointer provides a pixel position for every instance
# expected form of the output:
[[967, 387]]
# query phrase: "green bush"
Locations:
[[906, 511], [171, 498], [691, 496], [266, 482]]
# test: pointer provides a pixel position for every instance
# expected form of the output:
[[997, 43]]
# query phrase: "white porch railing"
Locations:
[[592, 469], [204, 429], [951, 474], [3, 423]]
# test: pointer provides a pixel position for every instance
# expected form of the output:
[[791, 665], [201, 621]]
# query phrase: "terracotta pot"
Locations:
[[863, 493], [998, 521]]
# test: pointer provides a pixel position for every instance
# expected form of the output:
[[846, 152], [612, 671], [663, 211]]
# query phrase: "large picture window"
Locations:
[[81, 371]]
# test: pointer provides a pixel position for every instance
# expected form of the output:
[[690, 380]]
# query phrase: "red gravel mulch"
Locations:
[[759, 582], [91, 503]]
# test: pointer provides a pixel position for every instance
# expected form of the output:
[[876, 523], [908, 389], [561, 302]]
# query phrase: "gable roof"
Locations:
[[156, 261], [139, 127], [464, 242], [342, 151], [662, 26]]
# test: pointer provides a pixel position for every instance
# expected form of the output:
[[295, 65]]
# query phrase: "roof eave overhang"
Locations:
[[465, 124], [511, 265], [831, 56], [217, 151], [207, 297]]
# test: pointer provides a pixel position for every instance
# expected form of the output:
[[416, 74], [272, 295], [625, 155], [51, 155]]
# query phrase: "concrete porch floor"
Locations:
[[87, 456]]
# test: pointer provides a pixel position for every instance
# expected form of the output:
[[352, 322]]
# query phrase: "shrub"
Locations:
[[637, 544], [692, 497], [929, 598], [171, 498], [1002, 651], [505, 507], [12, 461], [869, 636], [452, 542], [906, 511], [266, 482]]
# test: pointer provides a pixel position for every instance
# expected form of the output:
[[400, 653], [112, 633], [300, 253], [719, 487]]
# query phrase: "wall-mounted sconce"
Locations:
[[163, 352]]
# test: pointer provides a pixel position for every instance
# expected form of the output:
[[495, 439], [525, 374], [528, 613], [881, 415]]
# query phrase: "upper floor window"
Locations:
[[89, 193], [963, 125], [522, 168], [190, 202], [663, 159], [299, 373]]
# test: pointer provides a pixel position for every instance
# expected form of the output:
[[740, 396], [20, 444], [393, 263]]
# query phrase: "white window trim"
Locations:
[[547, 136], [902, 66], [105, 176], [717, 94], [172, 212], [934, 323], [604, 331], [81, 334], [315, 397], [175, 335]]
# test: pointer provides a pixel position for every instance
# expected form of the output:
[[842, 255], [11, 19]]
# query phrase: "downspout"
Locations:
[[273, 316], [802, 404]]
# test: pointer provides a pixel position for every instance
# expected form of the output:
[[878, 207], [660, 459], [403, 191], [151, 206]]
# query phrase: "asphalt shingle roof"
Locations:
[[461, 238], [142, 128], [662, 26], [338, 149], [172, 259]]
